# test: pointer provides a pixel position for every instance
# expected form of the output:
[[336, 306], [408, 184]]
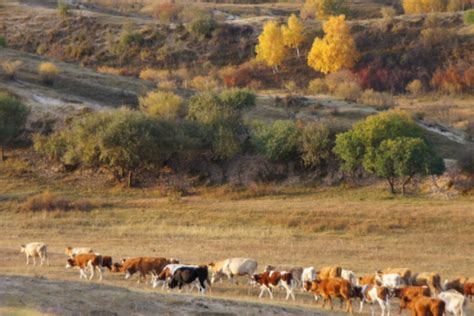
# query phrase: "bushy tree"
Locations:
[[13, 116], [403, 157], [336, 50], [293, 33], [315, 145], [369, 142], [278, 141], [271, 47], [164, 105], [221, 115]]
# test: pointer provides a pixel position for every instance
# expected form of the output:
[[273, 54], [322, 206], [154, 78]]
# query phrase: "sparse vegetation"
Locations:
[[202, 26], [10, 68], [48, 72], [468, 17], [49, 202], [3, 41], [164, 105]]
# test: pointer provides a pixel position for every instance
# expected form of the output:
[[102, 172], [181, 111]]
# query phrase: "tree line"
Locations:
[[129, 142]]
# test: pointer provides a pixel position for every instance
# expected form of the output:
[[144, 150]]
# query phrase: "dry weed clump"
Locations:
[[15, 168], [48, 201], [48, 72], [113, 70], [380, 100], [10, 68]]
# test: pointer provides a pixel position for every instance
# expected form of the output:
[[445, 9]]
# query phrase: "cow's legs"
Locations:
[[387, 306], [82, 274], [34, 260], [361, 305], [100, 272], [270, 292], [262, 289], [27, 259]]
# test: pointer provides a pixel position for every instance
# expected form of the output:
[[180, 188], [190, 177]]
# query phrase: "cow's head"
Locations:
[[173, 283], [116, 267], [255, 278], [22, 248], [173, 260], [307, 285], [405, 302], [70, 263]]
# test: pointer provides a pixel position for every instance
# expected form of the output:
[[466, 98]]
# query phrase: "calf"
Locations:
[[374, 293], [468, 290], [35, 249], [71, 252], [455, 302], [411, 292], [296, 272], [84, 261], [187, 275], [423, 306], [269, 280], [333, 287]]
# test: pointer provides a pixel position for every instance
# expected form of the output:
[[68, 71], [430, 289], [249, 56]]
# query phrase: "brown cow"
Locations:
[[404, 273], [468, 290], [411, 292], [423, 306], [367, 280], [142, 265], [329, 288], [107, 262], [269, 280], [84, 261], [329, 272]]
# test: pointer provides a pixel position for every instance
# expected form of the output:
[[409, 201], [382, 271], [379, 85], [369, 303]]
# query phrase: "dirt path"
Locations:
[[87, 298]]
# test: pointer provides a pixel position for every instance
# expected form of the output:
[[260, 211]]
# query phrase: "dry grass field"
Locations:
[[363, 229]]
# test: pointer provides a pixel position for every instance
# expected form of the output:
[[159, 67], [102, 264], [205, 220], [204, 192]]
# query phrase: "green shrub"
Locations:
[[3, 41], [278, 141], [164, 105], [13, 116], [202, 26], [469, 17], [317, 86], [315, 144]]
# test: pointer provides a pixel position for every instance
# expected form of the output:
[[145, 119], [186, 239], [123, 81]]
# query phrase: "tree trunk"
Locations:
[[130, 179], [392, 186], [298, 52], [405, 182]]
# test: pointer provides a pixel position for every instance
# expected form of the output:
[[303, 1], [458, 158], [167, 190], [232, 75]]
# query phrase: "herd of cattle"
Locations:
[[421, 293]]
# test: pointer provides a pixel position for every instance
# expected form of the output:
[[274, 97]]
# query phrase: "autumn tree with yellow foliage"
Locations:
[[271, 48], [293, 33], [336, 50]]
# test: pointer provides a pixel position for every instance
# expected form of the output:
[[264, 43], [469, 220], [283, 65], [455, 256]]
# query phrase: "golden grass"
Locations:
[[48, 72]]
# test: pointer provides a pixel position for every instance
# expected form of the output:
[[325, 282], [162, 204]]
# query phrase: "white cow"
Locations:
[[349, 276], [455, 302], [374, 293], [232, 267], [35, 249], [391, 280], [73, 251], [309, 274]]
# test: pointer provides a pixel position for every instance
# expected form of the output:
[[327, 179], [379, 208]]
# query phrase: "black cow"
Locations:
[[187, 275]]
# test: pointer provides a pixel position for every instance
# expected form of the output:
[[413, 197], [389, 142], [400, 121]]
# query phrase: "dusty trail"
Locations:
[[89, 298]]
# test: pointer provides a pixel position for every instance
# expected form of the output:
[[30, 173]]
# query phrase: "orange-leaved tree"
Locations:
[[293, 33], [271, 48], [336, 50]]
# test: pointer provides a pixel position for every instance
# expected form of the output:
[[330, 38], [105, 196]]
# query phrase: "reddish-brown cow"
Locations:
[[333, 287]]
